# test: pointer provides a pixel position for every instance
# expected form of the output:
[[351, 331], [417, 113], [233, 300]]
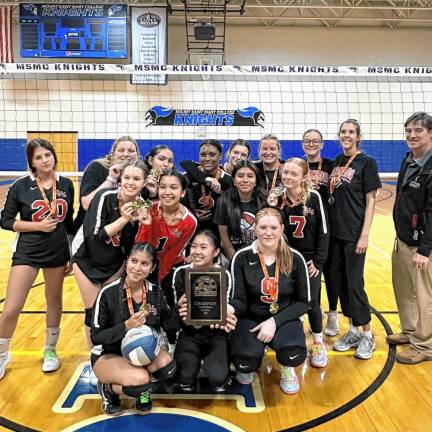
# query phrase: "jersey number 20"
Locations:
[[42, 210]]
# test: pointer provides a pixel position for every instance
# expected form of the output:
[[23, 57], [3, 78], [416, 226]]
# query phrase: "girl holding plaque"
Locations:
[[130, 302], [307, 231], [236, 209], [44, 201], [270, 293], [203, 344], [107, 234], [353, 186]]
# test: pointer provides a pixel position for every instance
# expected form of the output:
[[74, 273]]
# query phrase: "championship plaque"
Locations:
[[206, 291]]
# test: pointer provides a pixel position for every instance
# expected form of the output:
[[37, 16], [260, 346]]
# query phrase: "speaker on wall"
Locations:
[[204, 31]]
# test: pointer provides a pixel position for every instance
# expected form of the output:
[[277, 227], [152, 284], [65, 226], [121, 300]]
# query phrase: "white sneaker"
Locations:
[[332, 327], [51, 361], [244, 378], [5, 358], [319, 355], [289, 383]]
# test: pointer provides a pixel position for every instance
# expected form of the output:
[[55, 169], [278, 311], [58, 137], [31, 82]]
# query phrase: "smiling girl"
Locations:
[[44, 202]]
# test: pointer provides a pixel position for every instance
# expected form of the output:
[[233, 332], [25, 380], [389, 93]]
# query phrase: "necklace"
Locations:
[[144, 305], [273, 287], [52, 207]]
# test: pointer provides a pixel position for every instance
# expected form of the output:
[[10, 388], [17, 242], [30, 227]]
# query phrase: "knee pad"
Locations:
[[291, 356], [88, 317], [166, 372], [136, 390], [247, 364]]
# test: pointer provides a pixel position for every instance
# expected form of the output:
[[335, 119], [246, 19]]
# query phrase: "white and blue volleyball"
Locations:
[[140, 346]]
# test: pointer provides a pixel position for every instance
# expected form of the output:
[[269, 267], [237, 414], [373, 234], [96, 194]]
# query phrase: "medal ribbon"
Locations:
[[275, 174], [317, 178], [129, 297], [336, 177], [53, 205], [273, 287]]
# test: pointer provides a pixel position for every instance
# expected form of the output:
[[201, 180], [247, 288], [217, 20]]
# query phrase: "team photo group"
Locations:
[[275, 230]]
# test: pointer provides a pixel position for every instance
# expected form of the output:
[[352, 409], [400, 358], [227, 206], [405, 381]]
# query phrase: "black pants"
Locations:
[[314, 313], [346, 277], [210, 347], [289, 342], [332, 295]]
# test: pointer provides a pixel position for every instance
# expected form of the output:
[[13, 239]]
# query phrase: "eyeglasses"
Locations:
[[314, 142]]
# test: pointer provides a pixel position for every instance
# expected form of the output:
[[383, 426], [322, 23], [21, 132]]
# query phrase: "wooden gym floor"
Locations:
[[347, 395]]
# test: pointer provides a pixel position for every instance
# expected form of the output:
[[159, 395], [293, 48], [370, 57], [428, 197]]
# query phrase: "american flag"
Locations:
[[6, 39]]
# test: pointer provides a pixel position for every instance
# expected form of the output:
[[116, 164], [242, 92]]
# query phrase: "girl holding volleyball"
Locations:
[[127, 303]]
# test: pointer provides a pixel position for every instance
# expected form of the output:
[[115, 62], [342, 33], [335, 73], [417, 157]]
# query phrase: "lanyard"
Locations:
[[144, 305], [275, 174], [272, 287], [335, 179], [315, 181], [53, 206]]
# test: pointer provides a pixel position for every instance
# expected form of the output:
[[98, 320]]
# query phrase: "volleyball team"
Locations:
[[275, 226]]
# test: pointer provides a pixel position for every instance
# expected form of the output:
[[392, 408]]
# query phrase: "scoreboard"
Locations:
[[70, 31]]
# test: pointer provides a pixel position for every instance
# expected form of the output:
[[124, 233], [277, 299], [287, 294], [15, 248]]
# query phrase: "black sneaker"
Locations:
[[111, 404], [144, 402]]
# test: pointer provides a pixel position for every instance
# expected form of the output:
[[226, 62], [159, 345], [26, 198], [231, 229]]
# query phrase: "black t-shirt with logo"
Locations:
[[324, 177], [247, 222], [348, 210]]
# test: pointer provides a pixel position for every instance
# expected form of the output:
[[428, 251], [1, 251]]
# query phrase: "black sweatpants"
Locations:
[[209, 346], [289, 342], [314, 313], [346, 269]]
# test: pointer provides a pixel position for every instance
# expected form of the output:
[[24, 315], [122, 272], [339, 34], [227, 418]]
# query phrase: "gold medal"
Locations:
[[145, 307], [274, 307]]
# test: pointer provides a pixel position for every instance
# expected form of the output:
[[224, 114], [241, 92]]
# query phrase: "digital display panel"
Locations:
[[84, 31]]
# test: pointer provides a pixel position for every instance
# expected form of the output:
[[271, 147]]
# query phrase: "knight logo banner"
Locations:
[[161, 116]]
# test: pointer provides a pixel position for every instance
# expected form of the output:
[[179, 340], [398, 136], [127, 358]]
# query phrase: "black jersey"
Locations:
[[37, 248], [348, 211], [110, 312], [308, 233], [320, 178], [412, 211], [98, 255], [267, 177], [248, 210], [178, 285], [94, 175], [250, 292], [199, 196]]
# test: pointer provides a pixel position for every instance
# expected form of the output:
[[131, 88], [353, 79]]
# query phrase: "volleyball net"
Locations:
[[83, 108]]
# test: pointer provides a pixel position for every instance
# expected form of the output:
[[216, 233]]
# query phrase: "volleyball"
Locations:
[[140, 345]]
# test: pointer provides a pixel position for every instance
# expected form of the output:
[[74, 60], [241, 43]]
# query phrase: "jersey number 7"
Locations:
[[299, 222]]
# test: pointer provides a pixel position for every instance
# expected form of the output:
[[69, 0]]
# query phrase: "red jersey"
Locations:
[[169, 240]]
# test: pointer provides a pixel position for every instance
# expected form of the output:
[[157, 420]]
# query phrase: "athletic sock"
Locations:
[[354, 329], [52, 335], [4, 345], [367, 333], [317, 337]]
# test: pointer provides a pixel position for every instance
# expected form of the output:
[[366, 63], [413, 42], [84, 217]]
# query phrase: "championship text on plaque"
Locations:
[[206, 291]]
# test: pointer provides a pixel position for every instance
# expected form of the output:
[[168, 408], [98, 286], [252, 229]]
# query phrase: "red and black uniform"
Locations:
[[170, 242], [98, 255], [111, 310], [196, 344], [270, 179], [199, 196], [39, 249], [251, 300], [307, 231], [347, 214]]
